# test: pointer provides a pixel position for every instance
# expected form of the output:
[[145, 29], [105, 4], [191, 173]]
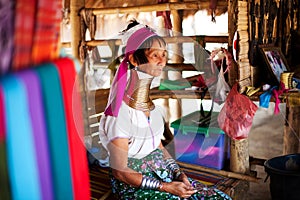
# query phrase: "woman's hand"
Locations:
[[179, 188], [184, 179]]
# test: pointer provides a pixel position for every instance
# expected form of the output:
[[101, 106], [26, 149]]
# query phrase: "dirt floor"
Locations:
[[265, 141]]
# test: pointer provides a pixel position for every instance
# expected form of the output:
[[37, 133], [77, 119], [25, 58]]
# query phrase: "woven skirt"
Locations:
[[153, 165]]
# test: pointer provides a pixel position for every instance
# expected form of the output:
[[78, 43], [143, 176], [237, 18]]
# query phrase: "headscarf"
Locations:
[[133, 39]]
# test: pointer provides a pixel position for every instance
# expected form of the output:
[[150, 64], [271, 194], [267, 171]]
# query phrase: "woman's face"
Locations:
[[157, 59]]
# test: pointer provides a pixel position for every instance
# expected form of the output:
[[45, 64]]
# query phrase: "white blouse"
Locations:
[[144, 134]]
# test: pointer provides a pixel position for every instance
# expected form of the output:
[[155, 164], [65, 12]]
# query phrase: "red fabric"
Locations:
[[236, 116], [74, 119], [165, 15], [23, 33], [46, 31], [276, 94]]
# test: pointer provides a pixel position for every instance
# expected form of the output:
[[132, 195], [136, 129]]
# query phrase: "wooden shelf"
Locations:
[[196, 5]]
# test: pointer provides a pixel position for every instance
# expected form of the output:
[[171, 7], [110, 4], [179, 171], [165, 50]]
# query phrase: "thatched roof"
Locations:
[[205, 4]]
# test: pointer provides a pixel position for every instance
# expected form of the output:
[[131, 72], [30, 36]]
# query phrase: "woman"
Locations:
[[132, 127]]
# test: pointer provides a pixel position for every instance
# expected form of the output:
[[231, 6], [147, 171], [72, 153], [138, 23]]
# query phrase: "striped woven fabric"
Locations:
[[6, 32], [101, 188], [46, 31], [23, 33]]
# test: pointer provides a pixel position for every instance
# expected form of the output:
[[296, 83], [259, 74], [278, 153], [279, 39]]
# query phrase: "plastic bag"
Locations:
[[236, 116], [222, 88]]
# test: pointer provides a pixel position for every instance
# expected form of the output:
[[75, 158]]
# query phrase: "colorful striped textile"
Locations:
[[21, 156], [46, 31], [36, 111], [36, 32], [57, 131], [4, 179], [23, 33], [6, 32], [42, 152], [74, 120]]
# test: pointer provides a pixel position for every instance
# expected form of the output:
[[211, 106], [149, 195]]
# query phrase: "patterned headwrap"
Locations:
[[133, 39]]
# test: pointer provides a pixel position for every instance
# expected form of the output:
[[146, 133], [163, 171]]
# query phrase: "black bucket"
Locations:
[[284, 172]]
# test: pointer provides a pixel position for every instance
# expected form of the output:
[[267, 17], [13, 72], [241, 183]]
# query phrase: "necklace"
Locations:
[[137, 93]]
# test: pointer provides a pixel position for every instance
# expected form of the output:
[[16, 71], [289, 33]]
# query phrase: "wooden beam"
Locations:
[[220, 172], [196, 5], [174, 39]]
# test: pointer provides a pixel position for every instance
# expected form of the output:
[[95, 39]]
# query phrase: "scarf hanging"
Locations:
[[165, 15], [276, 94], [22, 162], [57, 130], [23, 33], [74, 122], [6, 32], [4, 179], [46, 31], [37, 120]]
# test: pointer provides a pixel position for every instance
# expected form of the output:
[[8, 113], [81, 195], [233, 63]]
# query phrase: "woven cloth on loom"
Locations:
[[101, 187]]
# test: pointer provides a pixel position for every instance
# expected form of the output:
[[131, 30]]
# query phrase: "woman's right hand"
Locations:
[[179, 188]]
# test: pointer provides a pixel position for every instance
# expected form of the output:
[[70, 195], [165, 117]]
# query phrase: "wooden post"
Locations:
[[177, 58], [291, 130], [239, 156], [75, 7]]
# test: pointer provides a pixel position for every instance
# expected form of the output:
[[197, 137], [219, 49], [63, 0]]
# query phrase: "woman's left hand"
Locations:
[[184, 179]]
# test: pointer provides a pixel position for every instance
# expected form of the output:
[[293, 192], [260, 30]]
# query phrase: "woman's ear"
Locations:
[[132, 60]]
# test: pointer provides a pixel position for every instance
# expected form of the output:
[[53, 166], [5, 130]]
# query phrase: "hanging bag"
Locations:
[[236, 116], [222, 88]]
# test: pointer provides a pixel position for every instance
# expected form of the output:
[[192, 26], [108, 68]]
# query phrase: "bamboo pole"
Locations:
[[196, 5], [220, 172], [239, 156]]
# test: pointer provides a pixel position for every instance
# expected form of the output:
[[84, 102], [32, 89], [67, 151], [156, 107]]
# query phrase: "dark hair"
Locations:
[[139, 55]]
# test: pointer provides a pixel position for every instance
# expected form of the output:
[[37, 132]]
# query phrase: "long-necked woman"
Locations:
[[132, 127]]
